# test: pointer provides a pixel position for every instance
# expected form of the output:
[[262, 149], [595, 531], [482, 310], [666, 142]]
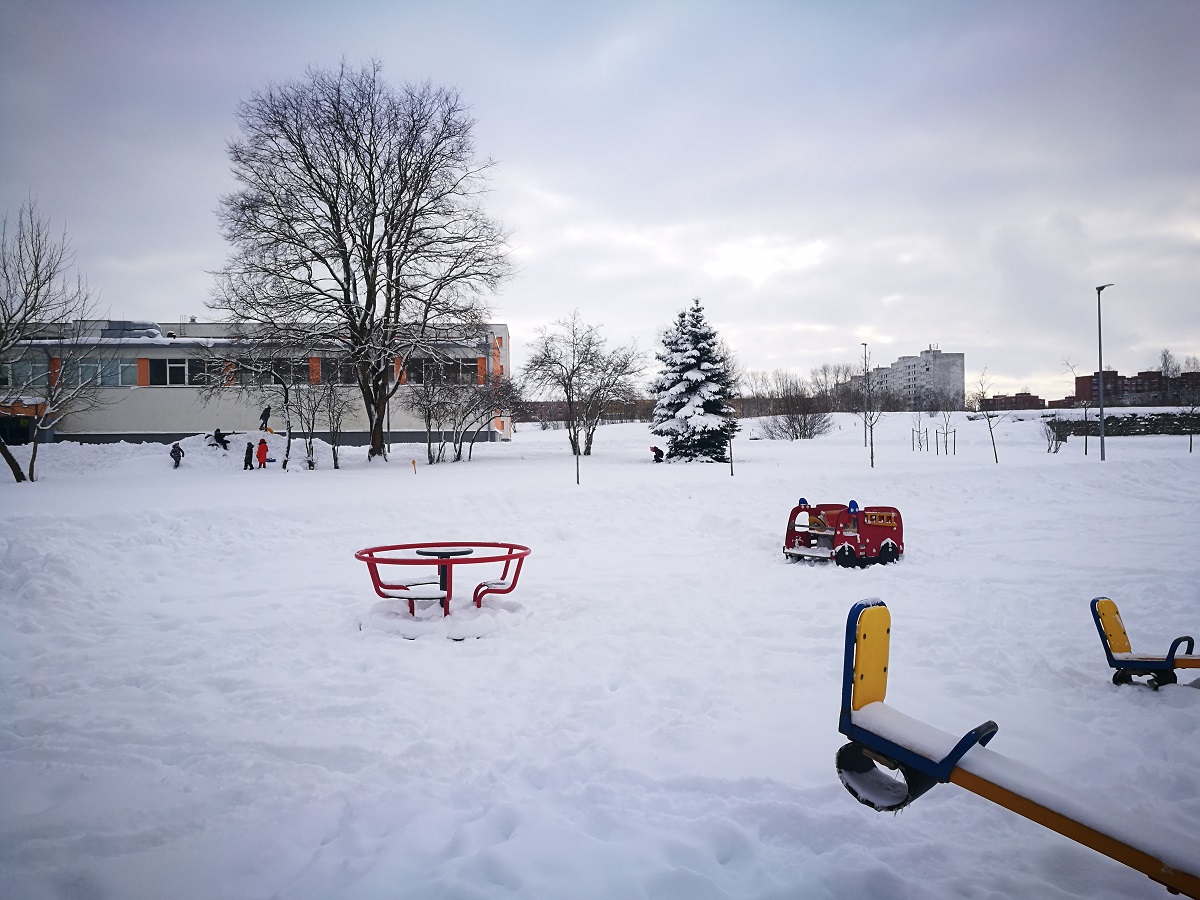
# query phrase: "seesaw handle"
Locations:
[[980, 734], [1191, 648]]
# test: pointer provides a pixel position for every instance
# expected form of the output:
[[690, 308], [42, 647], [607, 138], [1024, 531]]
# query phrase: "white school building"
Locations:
[[152, 381]]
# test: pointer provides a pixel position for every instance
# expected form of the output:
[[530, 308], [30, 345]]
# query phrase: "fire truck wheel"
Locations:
[[845, 558], [889, 553]]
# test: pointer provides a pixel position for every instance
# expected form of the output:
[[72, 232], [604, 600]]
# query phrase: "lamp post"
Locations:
[[1100, 361], [866, 391]]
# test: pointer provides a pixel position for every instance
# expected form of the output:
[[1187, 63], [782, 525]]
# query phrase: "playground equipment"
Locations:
[[923, 756], [445, 556], [848, 535], [1158, 670]]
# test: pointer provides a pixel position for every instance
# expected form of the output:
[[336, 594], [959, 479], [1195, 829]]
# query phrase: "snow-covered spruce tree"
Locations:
[[693, 391]]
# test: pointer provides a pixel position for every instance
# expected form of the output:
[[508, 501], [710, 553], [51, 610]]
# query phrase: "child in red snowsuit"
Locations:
[[262, 453]]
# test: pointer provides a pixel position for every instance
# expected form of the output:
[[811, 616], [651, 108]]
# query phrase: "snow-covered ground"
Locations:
[[204, 699]]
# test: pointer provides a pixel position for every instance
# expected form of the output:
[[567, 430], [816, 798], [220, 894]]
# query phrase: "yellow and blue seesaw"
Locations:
[[921, 756]]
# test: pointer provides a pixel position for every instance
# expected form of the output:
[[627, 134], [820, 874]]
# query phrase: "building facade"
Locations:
[[154, 382], [1149, 388], [1019, 400], [931, 377]]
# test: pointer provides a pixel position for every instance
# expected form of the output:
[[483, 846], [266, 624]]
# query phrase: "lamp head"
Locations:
[[1102, 287]]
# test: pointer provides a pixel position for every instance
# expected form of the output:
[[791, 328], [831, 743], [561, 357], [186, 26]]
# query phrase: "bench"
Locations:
[[504, 584], [924, 756], [1158, 670]]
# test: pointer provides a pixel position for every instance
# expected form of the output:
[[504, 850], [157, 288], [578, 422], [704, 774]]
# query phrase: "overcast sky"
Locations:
[[960, 174]]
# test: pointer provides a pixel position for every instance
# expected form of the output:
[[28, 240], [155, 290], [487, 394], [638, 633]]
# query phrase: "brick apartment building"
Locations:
[[1143, 389]]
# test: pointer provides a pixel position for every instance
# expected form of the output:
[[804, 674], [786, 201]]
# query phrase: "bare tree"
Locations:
[[1085, 405], [573, 363], [832, 380], [358, 223], [1053, 431], [75, 366], [337, 405], [1168, 364], [43, 346], [475, 406], [947, 416], [309, 403], [869, 404], [795, 413], [755, 390], [992, 417], [433, 400]]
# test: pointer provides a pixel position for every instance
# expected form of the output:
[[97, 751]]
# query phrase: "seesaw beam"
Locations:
[[1151, 866], [924, 756]]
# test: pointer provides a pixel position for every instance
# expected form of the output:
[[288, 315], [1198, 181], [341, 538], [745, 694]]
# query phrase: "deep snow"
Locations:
[[203, 698]]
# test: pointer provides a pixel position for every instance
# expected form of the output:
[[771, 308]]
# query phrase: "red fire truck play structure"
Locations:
[[848, 535]]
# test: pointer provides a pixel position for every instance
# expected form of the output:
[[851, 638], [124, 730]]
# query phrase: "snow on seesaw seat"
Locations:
[[204, 698]]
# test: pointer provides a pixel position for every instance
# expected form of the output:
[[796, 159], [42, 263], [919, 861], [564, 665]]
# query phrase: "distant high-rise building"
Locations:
[[930, 377]]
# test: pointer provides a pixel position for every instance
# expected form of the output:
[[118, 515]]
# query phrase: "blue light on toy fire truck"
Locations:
[[853, 507], [802, 502]]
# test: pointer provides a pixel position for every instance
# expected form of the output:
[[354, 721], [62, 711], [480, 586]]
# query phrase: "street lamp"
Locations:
[[1100, 373], [866, 391]]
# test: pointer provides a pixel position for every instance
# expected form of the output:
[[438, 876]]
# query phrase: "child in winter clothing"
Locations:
[[263, 417], [249, 464], [262, 453], [176, 454]]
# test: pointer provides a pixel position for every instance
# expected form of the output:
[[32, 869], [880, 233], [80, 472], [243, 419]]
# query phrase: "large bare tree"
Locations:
[[47, 365], [359, 224]]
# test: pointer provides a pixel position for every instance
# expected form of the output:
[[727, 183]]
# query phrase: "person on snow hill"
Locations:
[[262, 453], [658, 454], [249, 464], [220, 439], [263, 416], [176, 454]]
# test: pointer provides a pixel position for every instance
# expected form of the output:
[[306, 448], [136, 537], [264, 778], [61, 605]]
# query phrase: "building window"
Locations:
[[338, 370], [118, 372], [289, 371], [26, 373], [175, 372], [455, 371]]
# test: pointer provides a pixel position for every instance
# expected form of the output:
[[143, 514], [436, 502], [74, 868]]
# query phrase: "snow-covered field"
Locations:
[[204, 699]]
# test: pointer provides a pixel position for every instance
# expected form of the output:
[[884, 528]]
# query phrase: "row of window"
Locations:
[[201, 372], [455, 371], [35, 373]]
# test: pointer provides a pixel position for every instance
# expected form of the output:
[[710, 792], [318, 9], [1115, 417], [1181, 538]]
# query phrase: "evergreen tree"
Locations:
[[693, 391]]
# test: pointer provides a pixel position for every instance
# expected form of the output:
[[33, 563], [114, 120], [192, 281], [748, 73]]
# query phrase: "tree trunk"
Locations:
[[287, 446], [18, 475], [375, 399], [32, 473]]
